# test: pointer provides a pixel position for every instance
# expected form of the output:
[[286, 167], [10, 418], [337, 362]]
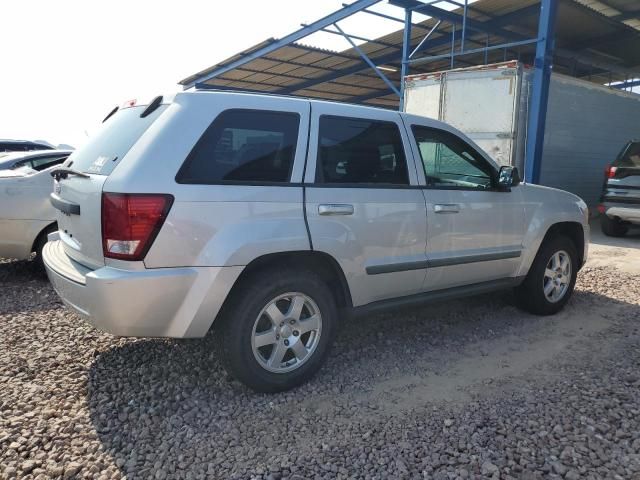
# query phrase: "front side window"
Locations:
[[360, 151], [244, 146], [449, 162]]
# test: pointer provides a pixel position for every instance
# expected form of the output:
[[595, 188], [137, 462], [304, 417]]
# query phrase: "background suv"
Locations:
[[271, 218], [620, 202]]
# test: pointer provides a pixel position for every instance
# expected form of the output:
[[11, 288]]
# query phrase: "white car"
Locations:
[[26, 214]]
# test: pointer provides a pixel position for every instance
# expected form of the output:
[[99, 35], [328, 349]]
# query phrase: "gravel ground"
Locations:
[[465, 389]]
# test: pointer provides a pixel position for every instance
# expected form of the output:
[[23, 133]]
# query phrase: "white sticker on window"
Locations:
[[97, 165]]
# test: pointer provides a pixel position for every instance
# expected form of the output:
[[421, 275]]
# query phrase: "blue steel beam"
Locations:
[[489, 26], [406, 44], [363, 39], [540, 90], [627, 84], [368, 60], [494, 27], [426, 37], [293, 37], [417, 61]]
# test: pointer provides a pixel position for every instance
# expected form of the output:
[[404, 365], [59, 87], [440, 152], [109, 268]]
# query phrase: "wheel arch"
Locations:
[[573, 230], [43, 234], [320, 263]]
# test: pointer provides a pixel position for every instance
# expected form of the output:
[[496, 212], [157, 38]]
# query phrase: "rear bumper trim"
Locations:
[[162, 302], [64, 206]]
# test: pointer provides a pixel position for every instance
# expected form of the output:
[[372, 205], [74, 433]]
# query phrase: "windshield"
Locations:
[[117, 135], [630, 156]]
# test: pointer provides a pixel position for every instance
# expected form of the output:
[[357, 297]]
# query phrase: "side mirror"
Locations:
[[508, 177]]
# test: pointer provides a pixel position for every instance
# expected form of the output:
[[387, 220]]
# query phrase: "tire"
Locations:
[[531, 295], [612, 227], [40, 242], [246, 317]]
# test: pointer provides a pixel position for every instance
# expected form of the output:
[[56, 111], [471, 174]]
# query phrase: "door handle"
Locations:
[[446, 208], [335, 209]]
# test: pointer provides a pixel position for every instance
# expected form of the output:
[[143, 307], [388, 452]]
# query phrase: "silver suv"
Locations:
[[270, 219]]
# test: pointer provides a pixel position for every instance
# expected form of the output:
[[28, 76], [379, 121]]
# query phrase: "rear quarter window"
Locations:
[[118, 134], [244, 147], [630, 156]]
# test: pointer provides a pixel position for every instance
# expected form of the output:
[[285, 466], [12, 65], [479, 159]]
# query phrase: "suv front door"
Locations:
[[474, 230], [363, 203]]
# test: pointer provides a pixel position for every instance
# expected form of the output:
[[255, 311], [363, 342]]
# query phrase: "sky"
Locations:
[[67, 63]]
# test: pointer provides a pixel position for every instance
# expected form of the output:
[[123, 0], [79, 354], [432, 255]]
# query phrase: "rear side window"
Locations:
[[117, 135], [630, 156], [353, 150], [244, 146]]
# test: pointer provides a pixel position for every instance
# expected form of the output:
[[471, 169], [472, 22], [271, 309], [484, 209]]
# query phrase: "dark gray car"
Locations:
[[620, 202]]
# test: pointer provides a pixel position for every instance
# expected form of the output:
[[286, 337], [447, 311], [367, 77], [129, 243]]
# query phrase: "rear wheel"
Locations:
[[277, 330], [40, 242], [612, 227], [551, 278]]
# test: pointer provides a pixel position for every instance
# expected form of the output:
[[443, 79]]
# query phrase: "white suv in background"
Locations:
[[271, 218]]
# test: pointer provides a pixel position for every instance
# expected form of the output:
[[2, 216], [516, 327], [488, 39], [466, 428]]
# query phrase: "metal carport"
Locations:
[[598, 40]]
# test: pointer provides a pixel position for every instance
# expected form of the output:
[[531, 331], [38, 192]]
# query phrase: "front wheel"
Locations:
[[551, 278], [277, 330]]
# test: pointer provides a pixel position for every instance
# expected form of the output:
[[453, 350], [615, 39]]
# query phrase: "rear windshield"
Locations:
[[117, 135], [630, 156]]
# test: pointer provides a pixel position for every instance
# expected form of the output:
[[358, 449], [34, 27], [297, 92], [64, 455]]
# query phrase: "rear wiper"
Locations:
[[64, 172]]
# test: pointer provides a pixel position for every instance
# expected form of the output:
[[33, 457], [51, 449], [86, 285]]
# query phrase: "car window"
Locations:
[[42, 163], [449, 162], [244, 146], [116, 136], [360, 151], [630, 156]]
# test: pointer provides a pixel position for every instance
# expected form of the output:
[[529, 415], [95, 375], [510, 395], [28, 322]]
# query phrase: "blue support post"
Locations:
[[453, 44], [464, 26], [406, 46], [540, 91]]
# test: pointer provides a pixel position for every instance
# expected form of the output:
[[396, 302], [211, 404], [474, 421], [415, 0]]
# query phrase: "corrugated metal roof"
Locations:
[[601, 32]]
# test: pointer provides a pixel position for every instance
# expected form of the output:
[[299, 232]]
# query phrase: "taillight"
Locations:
[[130, 223], [610, 172]]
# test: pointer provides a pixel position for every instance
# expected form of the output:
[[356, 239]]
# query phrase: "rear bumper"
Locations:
[[162, 302], [623, 211]]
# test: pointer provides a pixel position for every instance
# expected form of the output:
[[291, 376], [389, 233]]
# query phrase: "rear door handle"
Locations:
[[335, 209], [446, 208]]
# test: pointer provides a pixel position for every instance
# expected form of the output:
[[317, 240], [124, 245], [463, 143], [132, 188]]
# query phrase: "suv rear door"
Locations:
[[79, 197], [363, 205]]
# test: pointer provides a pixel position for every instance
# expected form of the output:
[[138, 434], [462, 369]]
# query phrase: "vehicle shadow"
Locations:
[[24, 287], [171, 401]]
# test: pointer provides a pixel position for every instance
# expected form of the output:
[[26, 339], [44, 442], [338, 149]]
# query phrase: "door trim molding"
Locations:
[[441, 262], [437, 296]]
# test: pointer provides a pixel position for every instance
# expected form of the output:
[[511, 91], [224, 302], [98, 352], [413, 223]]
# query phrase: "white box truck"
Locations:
[[586, 126]]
